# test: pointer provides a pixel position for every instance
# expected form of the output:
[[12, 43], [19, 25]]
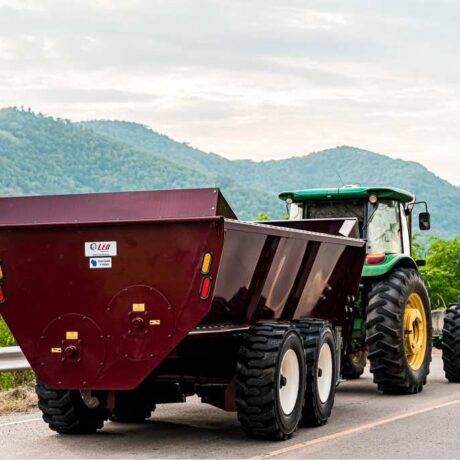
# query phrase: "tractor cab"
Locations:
[[384, 216]]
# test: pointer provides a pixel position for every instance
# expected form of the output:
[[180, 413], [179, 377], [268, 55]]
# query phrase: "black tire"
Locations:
[[354, 364], [317, 334], [451, 343], [385, 333], [259, 381], [131, 407], [65, 412]]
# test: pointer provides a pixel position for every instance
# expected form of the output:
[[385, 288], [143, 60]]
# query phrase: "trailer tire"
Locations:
[[398, 332], [269, 403], [354, 364], [131, 407], [451, 343], [65, 412], [321, 366]]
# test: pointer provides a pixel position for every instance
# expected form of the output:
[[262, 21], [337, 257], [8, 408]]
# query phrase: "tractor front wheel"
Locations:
[[398, 332], [354, 364], [451, 343]]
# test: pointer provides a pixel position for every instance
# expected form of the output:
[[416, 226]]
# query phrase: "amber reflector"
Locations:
[[206, 265]]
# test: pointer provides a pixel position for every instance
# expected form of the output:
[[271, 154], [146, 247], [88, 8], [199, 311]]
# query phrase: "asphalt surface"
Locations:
[[364, 424]]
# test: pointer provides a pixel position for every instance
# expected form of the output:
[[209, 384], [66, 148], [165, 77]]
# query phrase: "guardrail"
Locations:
[[12, 359]]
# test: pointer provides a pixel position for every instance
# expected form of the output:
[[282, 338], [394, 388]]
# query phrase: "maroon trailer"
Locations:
[[121, 301]]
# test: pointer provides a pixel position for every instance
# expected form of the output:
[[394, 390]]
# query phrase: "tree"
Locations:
[[263, 216], [442, 271]]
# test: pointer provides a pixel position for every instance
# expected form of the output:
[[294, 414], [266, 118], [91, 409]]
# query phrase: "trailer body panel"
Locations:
[[105, 299]]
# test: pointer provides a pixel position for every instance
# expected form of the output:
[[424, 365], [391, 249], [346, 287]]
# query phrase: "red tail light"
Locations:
[[375, 258], [2, 295], [205, 288]]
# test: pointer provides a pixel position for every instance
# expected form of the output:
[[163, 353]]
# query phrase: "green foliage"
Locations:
[[6, 339], [263, 216], [442, 271], [11, 379]]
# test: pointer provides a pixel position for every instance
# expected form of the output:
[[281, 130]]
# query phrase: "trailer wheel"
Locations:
[[131, 407], [321, 371], [451, 343], [398, 332], [65, 412], [270, 381], [354, 364]]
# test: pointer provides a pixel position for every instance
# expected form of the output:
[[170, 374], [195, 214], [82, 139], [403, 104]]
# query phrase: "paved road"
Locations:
[[364, 424]]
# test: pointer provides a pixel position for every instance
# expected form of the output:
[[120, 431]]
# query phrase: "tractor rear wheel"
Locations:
[[451, 343], [354, 364], [321, 364], [270, 381], [398, 332], [65, 412]]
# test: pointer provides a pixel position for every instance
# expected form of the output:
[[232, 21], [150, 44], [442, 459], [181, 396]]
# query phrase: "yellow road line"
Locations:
[[357, 429]]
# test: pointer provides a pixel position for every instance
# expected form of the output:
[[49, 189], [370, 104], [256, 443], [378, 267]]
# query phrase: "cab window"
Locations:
[[384, 228]]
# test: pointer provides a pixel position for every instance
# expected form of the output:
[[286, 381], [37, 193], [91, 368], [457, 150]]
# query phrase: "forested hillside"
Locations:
[[42, 155], [319, 169]]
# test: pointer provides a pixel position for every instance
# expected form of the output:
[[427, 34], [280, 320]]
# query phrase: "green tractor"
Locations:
[[392, 315]]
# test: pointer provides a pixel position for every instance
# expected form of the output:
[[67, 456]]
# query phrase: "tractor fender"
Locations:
[[390, 262]]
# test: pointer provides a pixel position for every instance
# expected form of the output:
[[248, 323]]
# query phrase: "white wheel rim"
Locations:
[[325, 372], [289, 380]]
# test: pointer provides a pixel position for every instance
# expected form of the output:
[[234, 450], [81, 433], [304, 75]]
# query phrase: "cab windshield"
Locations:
[[329, 209], [383, 228]]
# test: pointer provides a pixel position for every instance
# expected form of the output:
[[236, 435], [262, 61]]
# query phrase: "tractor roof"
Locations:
[[348, 192]]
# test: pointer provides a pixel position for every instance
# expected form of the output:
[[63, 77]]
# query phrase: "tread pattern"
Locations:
[[451, 343], [385, 336], [255, 381], [65, 412]]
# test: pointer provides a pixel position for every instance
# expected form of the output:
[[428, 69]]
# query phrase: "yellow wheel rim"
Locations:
[[415, 331]]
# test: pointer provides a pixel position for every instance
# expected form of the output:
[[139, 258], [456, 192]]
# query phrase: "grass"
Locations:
[[10, 380], [21, 398]]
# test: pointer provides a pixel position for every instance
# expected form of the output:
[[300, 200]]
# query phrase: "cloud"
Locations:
[[260, 79]]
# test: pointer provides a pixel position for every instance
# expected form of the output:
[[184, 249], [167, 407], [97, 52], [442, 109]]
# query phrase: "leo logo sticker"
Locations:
[[100, 248]]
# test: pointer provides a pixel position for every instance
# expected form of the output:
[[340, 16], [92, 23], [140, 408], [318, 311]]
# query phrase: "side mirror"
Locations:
[[420, 263], [424, 222]]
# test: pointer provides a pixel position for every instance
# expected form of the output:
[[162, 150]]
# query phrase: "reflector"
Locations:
[[375, 258], [206, 265], [205, 288]]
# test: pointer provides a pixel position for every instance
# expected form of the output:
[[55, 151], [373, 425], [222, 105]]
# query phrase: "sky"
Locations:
[[260, 79]]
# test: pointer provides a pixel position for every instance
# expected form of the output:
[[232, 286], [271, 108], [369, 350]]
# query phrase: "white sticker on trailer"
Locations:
[[100, 248], [100, 262]]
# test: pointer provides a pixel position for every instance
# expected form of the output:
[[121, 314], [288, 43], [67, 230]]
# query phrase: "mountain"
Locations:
[[319, 169], [43, 155]]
